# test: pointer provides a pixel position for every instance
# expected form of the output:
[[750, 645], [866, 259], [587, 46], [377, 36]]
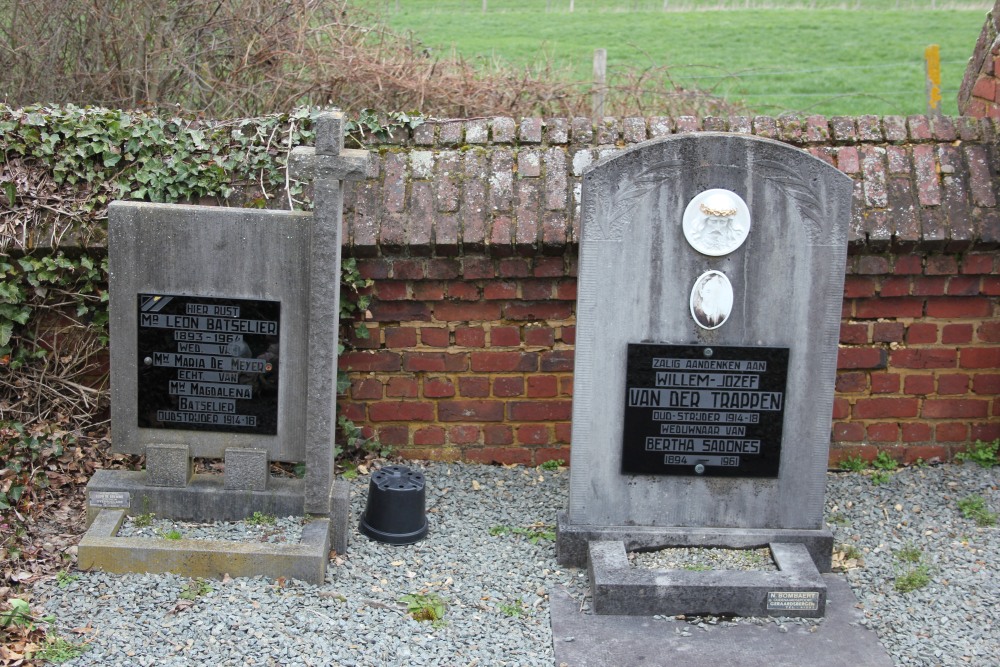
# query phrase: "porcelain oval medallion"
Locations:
[[711, 300], [716, 222]]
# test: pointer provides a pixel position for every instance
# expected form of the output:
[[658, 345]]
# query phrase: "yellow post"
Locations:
[[932, 58]]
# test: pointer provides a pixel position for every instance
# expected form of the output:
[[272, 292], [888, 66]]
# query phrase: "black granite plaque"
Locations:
[[709, 411], [208, 363]]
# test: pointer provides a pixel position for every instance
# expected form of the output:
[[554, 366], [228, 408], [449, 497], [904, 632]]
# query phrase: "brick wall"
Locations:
[[469, 230], [979, 95]]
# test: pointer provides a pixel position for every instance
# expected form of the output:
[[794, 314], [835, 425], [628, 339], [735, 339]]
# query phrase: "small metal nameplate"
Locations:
[[109, 499], [793, 600]]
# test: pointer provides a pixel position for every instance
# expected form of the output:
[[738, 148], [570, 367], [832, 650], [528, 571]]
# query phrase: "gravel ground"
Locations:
[[489, 558]]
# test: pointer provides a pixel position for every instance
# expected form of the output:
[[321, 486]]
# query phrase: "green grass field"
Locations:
[[840, 59]]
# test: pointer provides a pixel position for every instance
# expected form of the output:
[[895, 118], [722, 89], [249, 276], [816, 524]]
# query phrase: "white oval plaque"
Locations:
[[716, 222], [711, 300]]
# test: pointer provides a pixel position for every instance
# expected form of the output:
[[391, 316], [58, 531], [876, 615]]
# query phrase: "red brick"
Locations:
[[896, 286], [543, 386], [963, 286], [429, 435], [852, 383], [501, 455], [546, 454], [366, 389], [538, 310], [438, 388], [941, 265], [986, 383], [397, 436], [566, 386], [888, 332], [514, 267], [537, 289], [529, 411], [435, 337], [980, 357], [885, 383], [457, 311], [986, 432], [533, 434], [929, 285], [873, 265], [951, 432], [391, 290], [924, 358], [399, 311], [916, 432], [950, 408], [428, 291], [505, 337], [463, 291], [464, 411], [463, 434], [539, 336], [564, 432], [499, 362], [889, 307], [433, 361], [401, 411], [958, 306], [977, 264], [878, 408], [567, 334], [401, 387], [860, 357], [953, 384], [375, 269], [566, 290], [854, 334], [919, 385], [907, 265], [883, 432], [397, 337], [858, 286], [848, 432], [548, 267], [921, 333], [369, 361], [841, 408], [352, 411], [507, 387], [557, 361], [497, 434], [956, 333], [474, 386], [477, 268], [496, 291], [442, 269], [924, 453], [470, 337], [368, 340]]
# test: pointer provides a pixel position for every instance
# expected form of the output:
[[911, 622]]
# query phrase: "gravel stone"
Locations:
[[495, 585]]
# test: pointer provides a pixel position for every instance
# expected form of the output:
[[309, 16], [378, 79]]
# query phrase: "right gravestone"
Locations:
[[710, 288]]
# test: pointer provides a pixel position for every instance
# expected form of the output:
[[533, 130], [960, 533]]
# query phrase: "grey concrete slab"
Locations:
[[795, 589], [588, 640], [246, 469], [571, 548]]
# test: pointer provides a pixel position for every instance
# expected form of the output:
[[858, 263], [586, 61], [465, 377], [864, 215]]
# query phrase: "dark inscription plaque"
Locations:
[[208, 363], [710, 411]]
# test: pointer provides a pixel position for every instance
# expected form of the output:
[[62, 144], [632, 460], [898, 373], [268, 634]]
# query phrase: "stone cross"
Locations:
[[327, 165]]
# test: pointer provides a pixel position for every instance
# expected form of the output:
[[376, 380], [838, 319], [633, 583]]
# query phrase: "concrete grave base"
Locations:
[[796, 589], [572, 541], [206, 499], [100, 549], [589, 640]]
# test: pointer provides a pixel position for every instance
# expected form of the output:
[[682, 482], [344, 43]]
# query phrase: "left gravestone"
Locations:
[[217, 319]]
